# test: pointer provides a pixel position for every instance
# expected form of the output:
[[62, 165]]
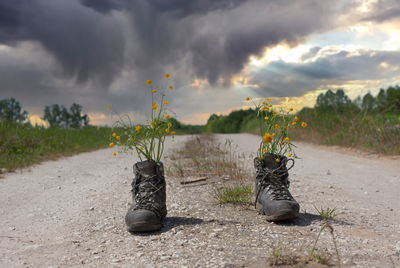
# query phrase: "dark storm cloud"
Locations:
[[103, 50], [177, 8], [213, 38], [86, 44], [282, 79]]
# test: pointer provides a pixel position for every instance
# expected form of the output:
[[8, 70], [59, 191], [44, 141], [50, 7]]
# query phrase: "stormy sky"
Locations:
[[101, 52]]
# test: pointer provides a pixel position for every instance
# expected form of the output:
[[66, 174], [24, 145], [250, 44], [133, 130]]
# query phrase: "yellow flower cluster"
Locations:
[[267, 138], [275, 128], [147, 139]]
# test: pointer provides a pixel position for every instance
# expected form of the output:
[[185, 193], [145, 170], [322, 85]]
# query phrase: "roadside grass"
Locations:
[[23, 145], [203, 155], [375, 133]]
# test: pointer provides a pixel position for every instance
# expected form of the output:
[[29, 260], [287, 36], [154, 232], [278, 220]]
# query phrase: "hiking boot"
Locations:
[[272, 188], [148, 209]]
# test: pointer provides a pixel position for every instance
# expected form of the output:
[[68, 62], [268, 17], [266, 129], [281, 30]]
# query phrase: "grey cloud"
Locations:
[[311, 53], [384, 10], [281, 79]]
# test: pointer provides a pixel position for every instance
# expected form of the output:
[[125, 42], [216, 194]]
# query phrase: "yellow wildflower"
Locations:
[[277, 126], [263, 102], [138, 127], [267, 138], [173, 132], [266, 118], [167, 75], [148, 82], [296, 118], [111, 144], [294, 123], [118, 137], [166, 102], [171, 87], [154, 91], [167, 116], [303, 124], [167, 130], [289, 155], [247, 98], [287, 139], [114, 154], [269, 99], [264, 150], [270, 105], [274, 112], [108, 107], [273, 134], [277, 160], [155, 107], [114, 135], [264, 108]]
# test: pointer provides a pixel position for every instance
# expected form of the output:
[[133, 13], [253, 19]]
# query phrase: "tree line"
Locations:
[[337, 102], [55, 115]]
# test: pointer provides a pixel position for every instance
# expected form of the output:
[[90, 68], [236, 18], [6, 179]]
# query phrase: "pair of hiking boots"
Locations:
[[148, 209]]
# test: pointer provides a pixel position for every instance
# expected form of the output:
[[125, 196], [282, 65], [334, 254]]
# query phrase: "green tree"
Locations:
[[76, 119], [393, 99], [368, 102], [58, 115], [381, 102], [334, 101], [11, 111]]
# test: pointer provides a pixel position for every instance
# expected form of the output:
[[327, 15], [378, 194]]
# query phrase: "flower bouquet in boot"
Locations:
[[275, 157], [148, 209]]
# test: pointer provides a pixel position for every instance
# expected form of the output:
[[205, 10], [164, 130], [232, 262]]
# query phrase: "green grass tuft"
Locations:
[[237, 194]]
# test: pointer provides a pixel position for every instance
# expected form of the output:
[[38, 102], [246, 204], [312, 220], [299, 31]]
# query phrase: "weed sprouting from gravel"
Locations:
[[282, 256], [327, 215]]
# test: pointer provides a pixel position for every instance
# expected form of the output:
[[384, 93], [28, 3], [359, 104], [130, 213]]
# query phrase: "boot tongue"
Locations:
[[147, 168], [270, 161]]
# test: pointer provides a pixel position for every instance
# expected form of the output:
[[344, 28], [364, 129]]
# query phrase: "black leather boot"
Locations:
[[272, 188], [148, 209]]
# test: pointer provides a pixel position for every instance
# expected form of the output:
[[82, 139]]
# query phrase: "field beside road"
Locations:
[[70, 213]]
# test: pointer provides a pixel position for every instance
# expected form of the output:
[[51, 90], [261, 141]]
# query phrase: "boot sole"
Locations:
[[285, 215], [282, 216], [144, 227]]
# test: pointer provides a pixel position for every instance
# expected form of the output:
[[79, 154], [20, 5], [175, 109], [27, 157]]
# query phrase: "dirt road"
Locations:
[[70, 213]]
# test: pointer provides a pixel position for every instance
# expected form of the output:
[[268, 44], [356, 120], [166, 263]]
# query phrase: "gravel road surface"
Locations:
[[70, 213]]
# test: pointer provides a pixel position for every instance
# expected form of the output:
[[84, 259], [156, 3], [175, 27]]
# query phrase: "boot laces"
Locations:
[[146, 189], [272, 179]]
